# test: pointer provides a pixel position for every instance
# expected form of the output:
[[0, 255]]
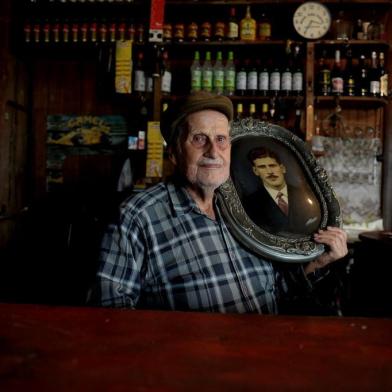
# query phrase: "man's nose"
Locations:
[[212, 148]]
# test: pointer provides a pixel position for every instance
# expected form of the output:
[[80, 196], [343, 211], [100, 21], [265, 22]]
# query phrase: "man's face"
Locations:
[[205, 151], [270, 172]]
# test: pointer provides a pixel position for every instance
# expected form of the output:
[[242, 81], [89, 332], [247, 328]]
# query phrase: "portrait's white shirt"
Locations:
[[274, 193]]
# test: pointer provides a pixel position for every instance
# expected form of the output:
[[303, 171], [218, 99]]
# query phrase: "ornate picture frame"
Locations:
[[262, 155]]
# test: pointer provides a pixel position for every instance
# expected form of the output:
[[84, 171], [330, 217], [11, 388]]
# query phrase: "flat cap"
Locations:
[[201, 100]]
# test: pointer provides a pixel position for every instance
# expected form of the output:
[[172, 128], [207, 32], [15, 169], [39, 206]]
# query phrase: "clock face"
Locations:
[[312, 20]]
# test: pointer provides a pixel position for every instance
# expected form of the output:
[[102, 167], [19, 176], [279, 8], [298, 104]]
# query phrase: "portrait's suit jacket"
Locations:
[[303, 218]]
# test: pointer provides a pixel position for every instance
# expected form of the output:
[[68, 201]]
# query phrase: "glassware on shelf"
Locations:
[[342, 28]]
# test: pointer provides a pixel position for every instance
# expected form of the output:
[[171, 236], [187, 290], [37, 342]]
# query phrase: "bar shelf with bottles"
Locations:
[[354, 74]]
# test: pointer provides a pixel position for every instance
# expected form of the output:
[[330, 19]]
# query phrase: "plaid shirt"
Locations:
[[165, 253]]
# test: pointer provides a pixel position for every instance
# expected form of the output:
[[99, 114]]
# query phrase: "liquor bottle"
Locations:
[[229, 84], [166, 80], [121, 30], [324, 76], [167, 32], [179, 32], [219, 30], [263, 80], [374, 77], [287, 75], [218, 74], [196, 73], [65, 30], [297, 124], [248, 27], [27, 31], [103, 31], [239, 111], [274, 86], [374, 28], [192, 33], [383, 76], [350, 77], [139, 85], [112, 31], [281, 113], [265, 112], [206, 73], [232, 27], [46, 30], [358, 30], [363, 81], [241, 79], [252, 111], [265, 28], [337, 77], [56, 31], [298, 75], [93, 31], [205, 32], [251, 80]]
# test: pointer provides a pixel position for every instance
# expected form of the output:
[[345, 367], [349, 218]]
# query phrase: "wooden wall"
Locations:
[[14, 131]]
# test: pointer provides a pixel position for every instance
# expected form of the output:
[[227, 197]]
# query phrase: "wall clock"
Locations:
[[312, 20]]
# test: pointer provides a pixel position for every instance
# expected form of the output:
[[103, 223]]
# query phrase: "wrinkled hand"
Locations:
[[336, 241]]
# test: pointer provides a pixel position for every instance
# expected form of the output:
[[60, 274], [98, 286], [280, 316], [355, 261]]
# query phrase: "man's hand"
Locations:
[[336, 241]]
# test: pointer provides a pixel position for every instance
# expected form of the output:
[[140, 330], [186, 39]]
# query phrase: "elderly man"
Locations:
[[171, 249]]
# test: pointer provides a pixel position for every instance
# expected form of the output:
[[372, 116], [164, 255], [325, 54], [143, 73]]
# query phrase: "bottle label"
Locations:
[[219, 79], [140, 81], [232, 32], [149, 84], [374, 87], [241, 81], [287, 81], [196, 80], [248, 31], [206, 82], [351, 86], [263, 81], [230, 80], [337, 85], [264, 30], [252, 81], [298, 81], [219, 30], [166, 82], [192, 31], [275, 81], [384, 85]]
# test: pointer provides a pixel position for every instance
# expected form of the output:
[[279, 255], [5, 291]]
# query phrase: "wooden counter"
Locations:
[[58, 349]]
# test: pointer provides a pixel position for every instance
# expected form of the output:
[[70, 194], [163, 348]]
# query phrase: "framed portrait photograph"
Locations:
[[277, 195]]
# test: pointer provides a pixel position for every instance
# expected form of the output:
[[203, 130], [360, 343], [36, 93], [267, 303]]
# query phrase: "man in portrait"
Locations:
[[277, 206]]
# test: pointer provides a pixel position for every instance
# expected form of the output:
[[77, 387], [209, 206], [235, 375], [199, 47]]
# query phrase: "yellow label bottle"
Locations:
[[248, 27]]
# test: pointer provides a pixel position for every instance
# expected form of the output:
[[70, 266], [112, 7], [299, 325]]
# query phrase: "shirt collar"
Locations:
[[274, 193], [181, 202]]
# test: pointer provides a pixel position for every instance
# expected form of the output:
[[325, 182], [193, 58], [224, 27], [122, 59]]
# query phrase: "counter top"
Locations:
[[47, 348]]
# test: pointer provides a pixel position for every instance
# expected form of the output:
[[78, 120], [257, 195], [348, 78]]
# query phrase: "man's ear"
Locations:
[[172, 156]]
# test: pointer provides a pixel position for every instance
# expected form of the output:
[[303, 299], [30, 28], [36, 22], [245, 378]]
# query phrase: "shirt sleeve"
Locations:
[[121, 260], [295, 287]]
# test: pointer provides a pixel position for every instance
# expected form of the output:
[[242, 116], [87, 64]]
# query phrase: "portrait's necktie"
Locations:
[[282, 203]]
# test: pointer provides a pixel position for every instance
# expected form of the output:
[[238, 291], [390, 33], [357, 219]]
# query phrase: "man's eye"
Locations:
[[222, 140], [199, 140]]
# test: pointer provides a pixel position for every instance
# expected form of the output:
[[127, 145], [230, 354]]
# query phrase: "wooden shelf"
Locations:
[[355, 100], [353, 42]]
